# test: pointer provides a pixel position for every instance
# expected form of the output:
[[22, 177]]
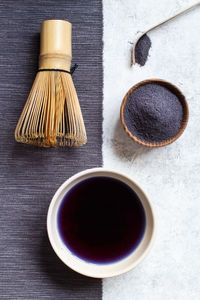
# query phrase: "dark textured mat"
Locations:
[[29, 176]]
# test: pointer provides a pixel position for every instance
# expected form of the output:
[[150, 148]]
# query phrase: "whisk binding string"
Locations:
[[72, 69]]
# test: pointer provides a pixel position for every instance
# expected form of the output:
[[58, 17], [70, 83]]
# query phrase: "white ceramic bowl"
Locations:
[[85, 267]]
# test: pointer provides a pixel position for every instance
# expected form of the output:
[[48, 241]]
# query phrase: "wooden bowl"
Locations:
[[181, 98]]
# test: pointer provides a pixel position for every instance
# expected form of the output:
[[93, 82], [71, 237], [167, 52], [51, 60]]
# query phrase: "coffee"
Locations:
[[101, 220]]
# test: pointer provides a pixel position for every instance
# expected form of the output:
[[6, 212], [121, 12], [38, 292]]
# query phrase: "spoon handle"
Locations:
[[169, 19]]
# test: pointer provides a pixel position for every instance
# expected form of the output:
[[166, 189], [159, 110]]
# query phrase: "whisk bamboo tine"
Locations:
[[24, 112], [34, 112], [70, 100], [40, 113]]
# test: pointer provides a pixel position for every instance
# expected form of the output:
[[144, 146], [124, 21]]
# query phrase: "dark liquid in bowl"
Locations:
[[101, 220]]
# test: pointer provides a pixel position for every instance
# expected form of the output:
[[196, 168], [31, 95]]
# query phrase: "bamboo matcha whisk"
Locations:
[[52, 112]]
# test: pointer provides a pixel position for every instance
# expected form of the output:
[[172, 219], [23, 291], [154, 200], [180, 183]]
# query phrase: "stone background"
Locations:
[[171, 175]]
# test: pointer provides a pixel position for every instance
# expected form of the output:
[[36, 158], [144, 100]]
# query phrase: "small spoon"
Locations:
[[163, 22]]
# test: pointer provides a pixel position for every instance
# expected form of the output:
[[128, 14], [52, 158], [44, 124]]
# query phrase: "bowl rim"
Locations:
[[102, 274], [179, 95]]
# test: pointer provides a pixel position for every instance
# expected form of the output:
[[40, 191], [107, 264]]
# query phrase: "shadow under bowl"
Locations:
[[176, 92]]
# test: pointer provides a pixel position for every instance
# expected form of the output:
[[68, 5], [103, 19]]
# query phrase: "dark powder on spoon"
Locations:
[[153, 113], [142, 50]]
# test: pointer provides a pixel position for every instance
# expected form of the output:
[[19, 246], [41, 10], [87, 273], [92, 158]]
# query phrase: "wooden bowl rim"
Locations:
[[181, 98]]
